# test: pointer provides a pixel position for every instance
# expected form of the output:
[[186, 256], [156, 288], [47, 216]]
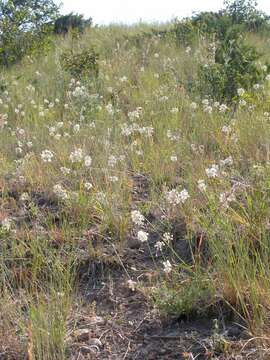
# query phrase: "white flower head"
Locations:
[[174, 110], [131, 284], [193, 106], [6, 224], [227, 161], [226, 130], [167, 267], [76, 155], [112, 161], [240, 91], [88, 186], [142, 236], [159, 245], [87, 161], [201, 185], [213, 171], [175, 197], [25, 196], [60, 192], [76, 128], [137, 217], [167, 237], [47, 155], [64, 170]]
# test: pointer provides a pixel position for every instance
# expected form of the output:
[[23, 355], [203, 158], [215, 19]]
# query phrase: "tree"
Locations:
[[71, 21], [245, 12], [23, 23]]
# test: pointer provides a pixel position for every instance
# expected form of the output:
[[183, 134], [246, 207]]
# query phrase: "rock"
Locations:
[[234, 331], [95, 342], [94, 345], [81, 334], [134, 243], [96, 320]]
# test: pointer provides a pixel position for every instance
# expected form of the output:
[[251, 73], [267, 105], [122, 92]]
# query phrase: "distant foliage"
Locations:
[[69, 22], [212, 23], [245, 12], [81, 64], [24, 25], [233, 63], [242, 13]]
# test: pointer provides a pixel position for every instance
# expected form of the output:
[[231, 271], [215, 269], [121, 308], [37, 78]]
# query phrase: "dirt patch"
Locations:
[[131, 328]]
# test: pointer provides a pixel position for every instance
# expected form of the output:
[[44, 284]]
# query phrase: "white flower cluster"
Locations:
[[6, 224], [173, 136], [240, 92], [47, 155], [226, 198], [197, 149], [213, 171], [136, 114], [128, 130], [226, 130], [137, 217], [167, 267], [201, 185], [174, 197], [77, 156], [228, 161], [142, 236], [207, 108], [60, 192], [80, 91]]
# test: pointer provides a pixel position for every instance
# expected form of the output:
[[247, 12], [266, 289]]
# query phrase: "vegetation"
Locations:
[[134, 169], [66, 23], [82, 64], [23, 25]]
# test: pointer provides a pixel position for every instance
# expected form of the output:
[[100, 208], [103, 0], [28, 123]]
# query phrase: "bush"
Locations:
[[211, 23], [81, 64], [187, 299], [184, 32], [70, 22], [245, 12], [235, 66], [242, 13]]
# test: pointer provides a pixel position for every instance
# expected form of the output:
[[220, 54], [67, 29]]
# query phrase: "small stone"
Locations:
[[96, 320], [95, 342], [81, 334], [134, 243]]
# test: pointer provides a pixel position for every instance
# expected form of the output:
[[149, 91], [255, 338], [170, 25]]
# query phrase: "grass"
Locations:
[[136, 118]]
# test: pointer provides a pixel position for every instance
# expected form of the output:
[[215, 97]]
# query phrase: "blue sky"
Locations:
[[129, 11]]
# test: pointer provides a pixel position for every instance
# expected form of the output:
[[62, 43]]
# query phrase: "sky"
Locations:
[[130, 11]]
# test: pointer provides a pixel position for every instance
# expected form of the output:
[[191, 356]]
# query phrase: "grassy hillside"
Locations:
[[128, 197]]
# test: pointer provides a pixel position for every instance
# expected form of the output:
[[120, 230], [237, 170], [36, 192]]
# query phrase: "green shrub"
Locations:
[[235, 66], [69, 22], [242, 13], [191, 298], [185, 32], [81, 64], [212, 23], [245, 12]]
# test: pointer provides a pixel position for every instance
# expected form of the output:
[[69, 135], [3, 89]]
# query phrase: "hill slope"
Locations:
[[134, 210]]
